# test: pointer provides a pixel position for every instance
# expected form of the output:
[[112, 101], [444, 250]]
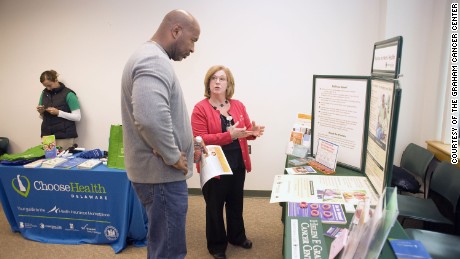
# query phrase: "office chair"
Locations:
[[4, 143], [438, 245], [445, 185], [415, 162]]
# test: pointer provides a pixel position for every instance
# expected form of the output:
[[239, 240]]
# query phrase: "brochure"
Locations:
[[299, 141], [326, 153], [34, 164], [410, 249], [49, 145], [298, 161], [53, 162], [72, 162], [89, 164], [213, 164], [329, 213], [301, 170]]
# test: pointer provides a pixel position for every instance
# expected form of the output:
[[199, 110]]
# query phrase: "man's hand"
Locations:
[[181, 164]]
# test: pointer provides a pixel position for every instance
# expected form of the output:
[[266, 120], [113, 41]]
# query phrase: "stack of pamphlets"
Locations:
[[53, 162], [299, 141], [72, 162], [305, 169], [89, 164], [298, 161], [34, 164]]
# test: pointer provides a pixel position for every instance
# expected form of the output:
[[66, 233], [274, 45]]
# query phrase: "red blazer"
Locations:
[[207, 124]]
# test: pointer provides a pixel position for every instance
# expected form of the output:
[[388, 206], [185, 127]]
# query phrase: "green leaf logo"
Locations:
[[19, 182]]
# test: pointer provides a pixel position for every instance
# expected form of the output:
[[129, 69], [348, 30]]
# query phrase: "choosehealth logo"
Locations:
[[21, 185]]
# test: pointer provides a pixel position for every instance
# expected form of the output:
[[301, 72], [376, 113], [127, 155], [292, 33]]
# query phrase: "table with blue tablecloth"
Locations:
[[73, 206]]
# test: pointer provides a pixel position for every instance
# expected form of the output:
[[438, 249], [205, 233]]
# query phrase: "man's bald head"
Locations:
[[177, 34]]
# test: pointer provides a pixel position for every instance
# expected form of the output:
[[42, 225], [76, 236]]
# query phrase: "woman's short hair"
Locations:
[[230, 81], [49, 75]]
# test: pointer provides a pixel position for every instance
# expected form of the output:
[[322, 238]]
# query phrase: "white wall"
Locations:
[[272, 47], [423, 24]]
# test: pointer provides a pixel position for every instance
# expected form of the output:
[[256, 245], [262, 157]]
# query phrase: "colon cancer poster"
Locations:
[[380, 114]]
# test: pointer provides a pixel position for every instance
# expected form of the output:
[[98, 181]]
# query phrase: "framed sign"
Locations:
[[381, 136], [340, 104], [386, 61]]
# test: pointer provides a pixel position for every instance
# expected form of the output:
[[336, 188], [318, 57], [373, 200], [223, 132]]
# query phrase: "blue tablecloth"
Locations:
[[72, 206]]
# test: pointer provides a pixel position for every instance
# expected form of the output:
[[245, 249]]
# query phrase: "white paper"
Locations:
[[214, 164], [340, 105], [301, 188], [385, 58]]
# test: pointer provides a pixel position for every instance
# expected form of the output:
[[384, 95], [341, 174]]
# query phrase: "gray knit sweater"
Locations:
[[155, 118]]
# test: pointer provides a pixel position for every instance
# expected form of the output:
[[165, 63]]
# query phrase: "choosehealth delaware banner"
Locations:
[[72, 206]]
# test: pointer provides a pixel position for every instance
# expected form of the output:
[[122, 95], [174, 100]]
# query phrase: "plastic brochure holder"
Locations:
[[370, 228]]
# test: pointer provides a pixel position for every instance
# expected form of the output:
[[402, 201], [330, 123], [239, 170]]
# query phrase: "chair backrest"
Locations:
[[446, 182], [416, 159], [4, 143]]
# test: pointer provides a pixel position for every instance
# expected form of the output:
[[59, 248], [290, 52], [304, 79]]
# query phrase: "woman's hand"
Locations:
[[236, 132], [41, 109], [52, 111], [257, 130]]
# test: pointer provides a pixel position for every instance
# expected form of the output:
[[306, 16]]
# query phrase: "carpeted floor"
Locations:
[[262, 222]]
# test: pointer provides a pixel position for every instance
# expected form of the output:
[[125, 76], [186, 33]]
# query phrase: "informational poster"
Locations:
[[380, 114], [339, 111]]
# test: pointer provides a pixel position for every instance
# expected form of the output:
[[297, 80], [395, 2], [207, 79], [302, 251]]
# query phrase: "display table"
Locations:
[[396, 231], [72, 206]]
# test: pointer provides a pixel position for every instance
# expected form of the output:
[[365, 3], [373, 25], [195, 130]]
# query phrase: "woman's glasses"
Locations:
[[215, 78]]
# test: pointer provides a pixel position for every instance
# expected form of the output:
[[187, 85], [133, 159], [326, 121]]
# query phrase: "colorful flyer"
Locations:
[[49, 146], [329, 213]]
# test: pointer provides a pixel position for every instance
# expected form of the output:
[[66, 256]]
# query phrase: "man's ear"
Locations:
[[176, 31]]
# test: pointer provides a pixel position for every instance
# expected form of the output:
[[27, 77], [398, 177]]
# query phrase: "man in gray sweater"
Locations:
[[157, 135]]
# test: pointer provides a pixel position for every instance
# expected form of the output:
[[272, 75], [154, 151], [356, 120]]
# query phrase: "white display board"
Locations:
[[339, 115]]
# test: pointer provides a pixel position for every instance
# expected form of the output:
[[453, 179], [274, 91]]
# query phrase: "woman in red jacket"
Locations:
[[223, 121]]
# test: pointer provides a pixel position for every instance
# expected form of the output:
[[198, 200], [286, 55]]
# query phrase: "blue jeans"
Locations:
[[166, 206]]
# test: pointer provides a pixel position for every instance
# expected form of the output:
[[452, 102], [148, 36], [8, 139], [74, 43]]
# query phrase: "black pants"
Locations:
[[228, 191]]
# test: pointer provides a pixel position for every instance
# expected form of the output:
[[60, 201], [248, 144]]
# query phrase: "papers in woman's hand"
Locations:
[[213, 164]]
